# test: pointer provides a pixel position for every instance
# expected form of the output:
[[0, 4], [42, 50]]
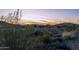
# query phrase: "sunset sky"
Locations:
[[44, 14]]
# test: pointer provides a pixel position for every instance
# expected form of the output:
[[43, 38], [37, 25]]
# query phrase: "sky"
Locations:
[[44, 14]]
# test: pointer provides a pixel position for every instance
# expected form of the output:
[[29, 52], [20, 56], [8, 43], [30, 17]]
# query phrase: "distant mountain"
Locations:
[[50, 22], [45, 22]]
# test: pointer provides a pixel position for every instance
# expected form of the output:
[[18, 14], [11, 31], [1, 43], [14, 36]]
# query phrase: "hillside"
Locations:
[[64, 36]]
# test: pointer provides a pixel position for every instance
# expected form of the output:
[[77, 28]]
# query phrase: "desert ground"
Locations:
[[52, 35]]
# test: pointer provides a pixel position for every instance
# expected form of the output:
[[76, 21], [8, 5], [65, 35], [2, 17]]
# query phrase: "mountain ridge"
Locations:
[[41, 22], [50, 22]]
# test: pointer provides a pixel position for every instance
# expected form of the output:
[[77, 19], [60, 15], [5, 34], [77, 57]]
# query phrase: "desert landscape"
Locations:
[[50, 34]]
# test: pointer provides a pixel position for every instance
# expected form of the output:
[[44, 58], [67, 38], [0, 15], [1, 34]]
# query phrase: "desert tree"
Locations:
[[18, 15], [2, 17]]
